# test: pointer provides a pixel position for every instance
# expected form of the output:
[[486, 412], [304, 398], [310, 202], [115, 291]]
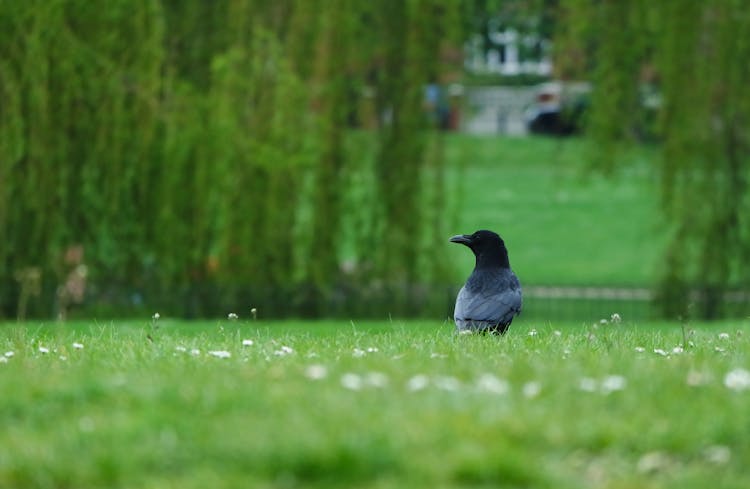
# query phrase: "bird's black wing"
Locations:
[[488, 300]]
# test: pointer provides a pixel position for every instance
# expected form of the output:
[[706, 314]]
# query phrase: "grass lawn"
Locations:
[[562, 224], [374, 404]]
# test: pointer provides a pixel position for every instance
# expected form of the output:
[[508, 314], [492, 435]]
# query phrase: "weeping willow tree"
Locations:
[[203, 153], [78, 134], [694, 54]]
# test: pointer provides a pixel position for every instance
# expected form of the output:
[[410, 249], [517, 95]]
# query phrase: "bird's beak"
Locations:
[[461, 238]]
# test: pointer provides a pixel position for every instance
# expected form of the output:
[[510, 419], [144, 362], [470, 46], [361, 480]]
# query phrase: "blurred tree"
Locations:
[[201, 152], [694, 55]]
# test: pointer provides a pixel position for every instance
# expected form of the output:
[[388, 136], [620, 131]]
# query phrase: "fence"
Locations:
[[203, 300]]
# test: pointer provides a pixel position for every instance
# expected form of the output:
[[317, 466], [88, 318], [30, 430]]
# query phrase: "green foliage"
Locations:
[[691, 53], [373, 404], [192, 145]]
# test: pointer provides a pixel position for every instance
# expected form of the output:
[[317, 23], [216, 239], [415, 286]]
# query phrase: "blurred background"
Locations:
[[310, 158]]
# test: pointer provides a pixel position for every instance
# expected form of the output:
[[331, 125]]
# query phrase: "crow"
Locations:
[[491, 296]]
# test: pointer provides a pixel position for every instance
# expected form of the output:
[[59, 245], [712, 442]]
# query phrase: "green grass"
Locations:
[[562, 224], [129, 411]]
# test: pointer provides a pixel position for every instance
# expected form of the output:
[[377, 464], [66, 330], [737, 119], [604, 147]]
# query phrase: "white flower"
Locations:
[[613, 383], [490, 383], [557, 333], [376, 379], [3, 359], [678, 349], [531, 389], [195, 352], [358, 353], [43, 350], [247, 342], [533, 332], [717, 454], [232, 316], [372, 349], [737, 379], [602, 321], [653, 462], [417, 383], [181, 349], [351, 381], [723, 336], [587, 384], [695, 378], [316, 372], [9, 354], [639, 349], [615, 318], [661, 352], [78, 346], [155, 316], [719, 349], [284, 350], [63, 357], [220, 354]]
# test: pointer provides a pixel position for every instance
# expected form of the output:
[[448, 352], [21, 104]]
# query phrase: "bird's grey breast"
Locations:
[[489, 295]]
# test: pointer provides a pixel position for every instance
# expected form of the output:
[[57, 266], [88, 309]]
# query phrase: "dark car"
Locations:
[[558, 109]]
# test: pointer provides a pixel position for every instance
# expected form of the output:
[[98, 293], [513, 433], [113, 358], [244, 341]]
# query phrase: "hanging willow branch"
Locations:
[[697, 55]]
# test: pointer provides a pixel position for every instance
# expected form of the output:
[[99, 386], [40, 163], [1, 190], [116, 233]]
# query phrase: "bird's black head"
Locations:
[[488, 247]]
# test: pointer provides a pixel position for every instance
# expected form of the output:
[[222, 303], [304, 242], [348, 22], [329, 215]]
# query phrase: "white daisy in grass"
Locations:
[[417, 383], [493, 385], [678, 350], [652, 462], [613, 383], [78, 346], [284, 350], [717, 454], [533, 332], [376, 379], [356, 353], [723, 336], [232, 316], [316, 372], [737, 379], [351, 381], [531, 389], [372, 349], [195, 352], [696, 378], [661, 352], [156, 316], [220, 354], [180, 348], [43, 349], [639, 349], [247, 342], [587, 384], [557, 333], [9, 354], [3, 359]]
